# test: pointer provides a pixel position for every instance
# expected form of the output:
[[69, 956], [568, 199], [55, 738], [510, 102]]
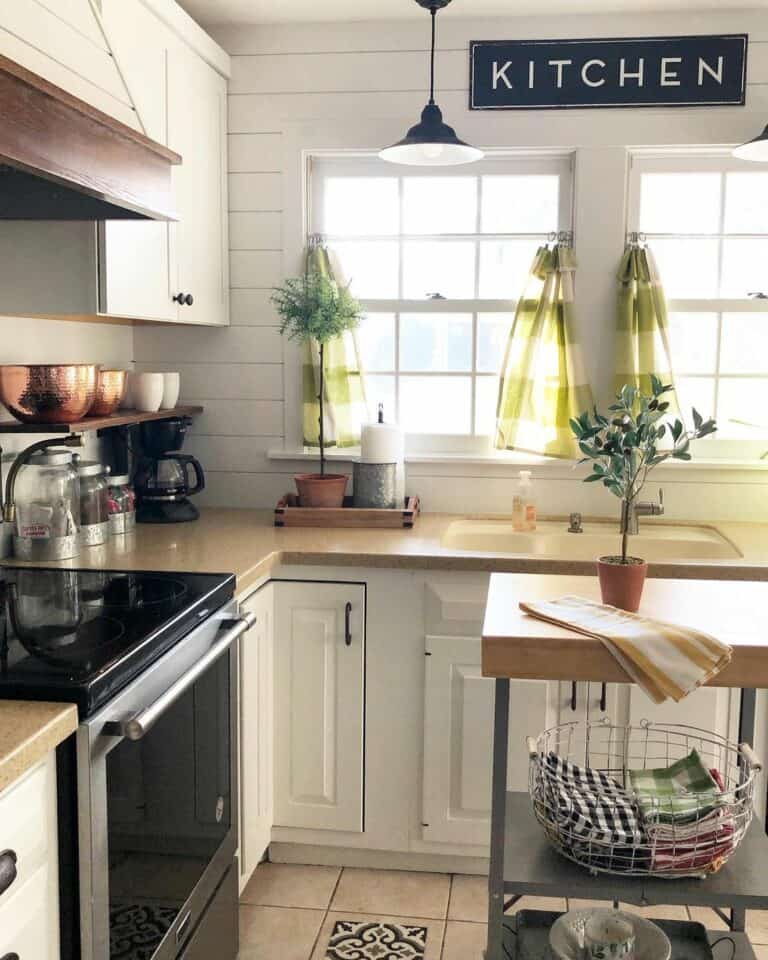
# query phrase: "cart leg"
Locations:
[[746, 735], [494, 949]]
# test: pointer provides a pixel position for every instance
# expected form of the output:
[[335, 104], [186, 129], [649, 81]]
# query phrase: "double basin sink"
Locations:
[[656, 542]]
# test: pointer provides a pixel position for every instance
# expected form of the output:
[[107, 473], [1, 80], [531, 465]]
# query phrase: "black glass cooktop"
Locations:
[[80, 635]]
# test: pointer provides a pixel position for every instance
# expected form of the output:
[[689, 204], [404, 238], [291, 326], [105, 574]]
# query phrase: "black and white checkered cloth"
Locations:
[[590, 806]]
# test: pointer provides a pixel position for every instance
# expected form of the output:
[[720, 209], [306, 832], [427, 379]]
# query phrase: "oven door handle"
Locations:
[[135, 727]]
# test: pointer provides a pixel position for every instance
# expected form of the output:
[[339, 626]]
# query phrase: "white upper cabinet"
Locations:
[[170, 271], [319, 644], [197, 104]]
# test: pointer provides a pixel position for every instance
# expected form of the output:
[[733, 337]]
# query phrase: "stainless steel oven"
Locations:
[[157, 805]]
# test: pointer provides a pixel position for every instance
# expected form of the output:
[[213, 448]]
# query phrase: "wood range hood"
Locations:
[[62, 159]]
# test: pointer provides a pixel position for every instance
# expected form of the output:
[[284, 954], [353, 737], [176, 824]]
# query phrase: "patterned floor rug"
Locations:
[[135, 930], [379, 940]]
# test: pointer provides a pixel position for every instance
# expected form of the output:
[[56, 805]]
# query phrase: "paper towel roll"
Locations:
[[384, 443], [381, 443]]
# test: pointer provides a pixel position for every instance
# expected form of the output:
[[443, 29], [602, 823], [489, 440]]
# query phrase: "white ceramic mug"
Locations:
[[171, 387], [126, 401], [609, 936], [147, 391]]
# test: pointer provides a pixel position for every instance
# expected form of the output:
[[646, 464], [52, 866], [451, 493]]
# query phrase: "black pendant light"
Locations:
[[431, 143], [756, 149]]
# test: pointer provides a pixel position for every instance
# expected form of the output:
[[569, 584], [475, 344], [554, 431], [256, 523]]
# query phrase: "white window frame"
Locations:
[[700, 161], [561, 163]]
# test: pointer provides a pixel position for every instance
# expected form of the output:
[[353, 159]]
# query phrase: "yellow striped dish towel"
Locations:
[[668, 661]]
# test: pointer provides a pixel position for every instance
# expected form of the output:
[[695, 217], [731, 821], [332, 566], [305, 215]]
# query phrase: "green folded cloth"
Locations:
[[684, 792]]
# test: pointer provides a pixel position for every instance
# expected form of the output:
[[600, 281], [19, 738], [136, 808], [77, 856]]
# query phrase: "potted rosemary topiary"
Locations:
[[623, 447], [315, 308]]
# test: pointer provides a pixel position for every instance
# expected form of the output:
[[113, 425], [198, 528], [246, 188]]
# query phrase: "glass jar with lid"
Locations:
[[94, 502], [47, 499], [122, 505]]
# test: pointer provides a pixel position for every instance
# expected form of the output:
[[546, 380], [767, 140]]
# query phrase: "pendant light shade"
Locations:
[[756, 149], [431, 142]]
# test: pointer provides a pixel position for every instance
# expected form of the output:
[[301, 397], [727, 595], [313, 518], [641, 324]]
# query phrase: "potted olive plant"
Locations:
[[622, 448], [315, 308]]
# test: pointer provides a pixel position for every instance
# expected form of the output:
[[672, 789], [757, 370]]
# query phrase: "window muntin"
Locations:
[[706, 220], [438, 266]]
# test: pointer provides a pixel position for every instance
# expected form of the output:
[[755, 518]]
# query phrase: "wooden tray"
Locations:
[[288, 513]]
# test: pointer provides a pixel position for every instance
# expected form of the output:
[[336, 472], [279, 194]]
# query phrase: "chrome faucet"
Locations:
[[643, 508]]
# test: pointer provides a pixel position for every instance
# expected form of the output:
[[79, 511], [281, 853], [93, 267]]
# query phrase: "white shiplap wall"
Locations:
[[298, 89]]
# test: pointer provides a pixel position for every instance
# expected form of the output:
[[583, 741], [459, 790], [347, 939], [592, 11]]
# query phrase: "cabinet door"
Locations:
[[137, 272], [709, 708], [197, 130], [256, 732], [458, 738], [319, 652]]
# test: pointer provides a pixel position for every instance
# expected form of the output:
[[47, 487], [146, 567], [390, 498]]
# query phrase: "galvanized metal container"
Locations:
[[375, 485]]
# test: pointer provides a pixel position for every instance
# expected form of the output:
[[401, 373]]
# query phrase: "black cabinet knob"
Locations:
[[189, 300], [8, 871], [10, 956], [184, 299]]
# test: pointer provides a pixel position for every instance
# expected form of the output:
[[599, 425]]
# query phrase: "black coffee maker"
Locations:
[[165, 478]]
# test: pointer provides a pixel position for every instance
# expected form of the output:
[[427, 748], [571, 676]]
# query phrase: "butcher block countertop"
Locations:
[[518, 646], [28, 732], [246, 543]]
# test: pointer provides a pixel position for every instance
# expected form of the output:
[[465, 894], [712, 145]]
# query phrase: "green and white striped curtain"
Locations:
[[642, 327], [344, 401], [542, 379]]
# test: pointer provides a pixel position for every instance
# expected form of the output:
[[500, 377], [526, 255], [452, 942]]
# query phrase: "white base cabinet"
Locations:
[[319, 638], [458, 726], [383, 746], [256, 733], [29, 906]]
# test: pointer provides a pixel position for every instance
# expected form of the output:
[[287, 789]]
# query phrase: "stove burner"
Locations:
[[134, 592], [74, 648]]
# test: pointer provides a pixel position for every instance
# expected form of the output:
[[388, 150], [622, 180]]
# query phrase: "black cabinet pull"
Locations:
[[347, 630], [604, 697], [8, 871], [573, 696], [184, 299], [10, 956]]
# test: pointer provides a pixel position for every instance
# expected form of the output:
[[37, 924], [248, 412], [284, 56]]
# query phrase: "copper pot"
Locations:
[[110, 385], [48, 392]]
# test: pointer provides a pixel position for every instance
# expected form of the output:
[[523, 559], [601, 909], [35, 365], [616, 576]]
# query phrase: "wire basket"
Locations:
[[582, 796]]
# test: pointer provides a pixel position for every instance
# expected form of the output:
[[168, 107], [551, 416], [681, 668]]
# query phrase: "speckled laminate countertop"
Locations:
[[246, 543], [29, 731]]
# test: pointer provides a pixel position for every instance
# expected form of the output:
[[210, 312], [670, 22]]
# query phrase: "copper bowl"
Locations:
[[110, 385], [48, 392]]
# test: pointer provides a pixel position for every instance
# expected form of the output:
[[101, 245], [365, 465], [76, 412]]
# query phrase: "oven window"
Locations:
[[169, 810]]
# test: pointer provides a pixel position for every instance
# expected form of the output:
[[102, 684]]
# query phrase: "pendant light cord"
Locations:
[[433, 12]]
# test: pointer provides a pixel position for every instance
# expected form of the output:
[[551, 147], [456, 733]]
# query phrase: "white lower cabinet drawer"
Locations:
[[29, 920], [25, 824]]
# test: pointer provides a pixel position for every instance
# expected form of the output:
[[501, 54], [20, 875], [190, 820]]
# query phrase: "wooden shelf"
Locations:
[[120, 419]]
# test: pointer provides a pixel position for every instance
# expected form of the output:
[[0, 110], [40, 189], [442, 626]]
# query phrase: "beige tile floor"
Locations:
[[287, 912]]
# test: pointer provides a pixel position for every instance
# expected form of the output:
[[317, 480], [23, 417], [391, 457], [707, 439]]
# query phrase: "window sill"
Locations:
[[544, 466]]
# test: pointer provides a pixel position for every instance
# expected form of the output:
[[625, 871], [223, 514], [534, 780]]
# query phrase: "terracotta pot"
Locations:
[[621, 584], [321, 490]]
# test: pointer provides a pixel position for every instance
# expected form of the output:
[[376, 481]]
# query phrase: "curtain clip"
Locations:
[[636, 239], [315, 240]]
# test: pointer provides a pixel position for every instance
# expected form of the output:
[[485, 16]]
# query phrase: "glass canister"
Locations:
[[47, 498], [122, 505], [94, 503]]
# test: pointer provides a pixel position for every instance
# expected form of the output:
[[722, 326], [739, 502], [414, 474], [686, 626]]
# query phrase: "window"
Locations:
[[706, 221], [438, 260]]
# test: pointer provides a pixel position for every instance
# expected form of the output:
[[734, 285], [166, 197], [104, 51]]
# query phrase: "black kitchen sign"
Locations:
[[632, 72]]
